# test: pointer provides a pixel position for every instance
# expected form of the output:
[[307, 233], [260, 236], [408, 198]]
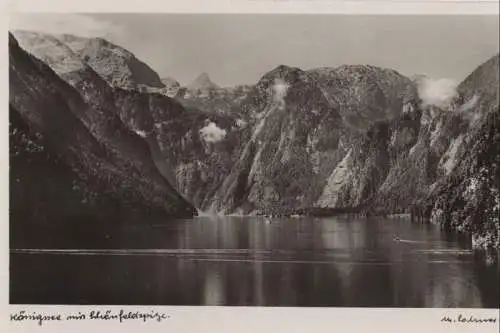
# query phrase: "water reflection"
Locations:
[[249, 261]]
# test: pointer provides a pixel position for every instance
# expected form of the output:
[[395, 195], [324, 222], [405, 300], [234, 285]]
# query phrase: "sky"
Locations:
[[240, 48]]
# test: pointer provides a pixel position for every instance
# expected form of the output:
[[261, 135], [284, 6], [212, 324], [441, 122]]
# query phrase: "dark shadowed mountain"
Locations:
[[91, 141], [176, 137]]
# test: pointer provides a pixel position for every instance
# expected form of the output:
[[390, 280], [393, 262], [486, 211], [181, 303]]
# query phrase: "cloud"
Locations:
[[469, 105], [212, 133], [467, 110], [73, 24], [439, 93], [280, 87]]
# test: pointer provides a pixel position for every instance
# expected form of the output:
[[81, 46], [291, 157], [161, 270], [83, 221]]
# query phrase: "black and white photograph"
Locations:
[[254, 160]]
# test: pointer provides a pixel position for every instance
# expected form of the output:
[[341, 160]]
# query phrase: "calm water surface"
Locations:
[[250, 261]]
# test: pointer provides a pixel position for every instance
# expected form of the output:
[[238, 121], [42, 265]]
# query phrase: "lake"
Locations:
[[251, 261]]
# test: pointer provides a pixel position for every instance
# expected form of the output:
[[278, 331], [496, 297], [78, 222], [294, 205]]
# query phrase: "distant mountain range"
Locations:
[[355, 137]]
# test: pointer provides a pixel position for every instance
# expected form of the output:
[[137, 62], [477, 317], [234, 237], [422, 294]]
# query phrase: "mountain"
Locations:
[[364, 94], [223, 101], [361, 137], [90, 139], [182, 144], [202, 82], [45, 192], [467, 199], [301, 133], [441, 163], [116, 65], [352, 138], [119, 68]]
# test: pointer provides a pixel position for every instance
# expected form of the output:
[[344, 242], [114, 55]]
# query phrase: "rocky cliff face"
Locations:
[[304, 145], [438, 160], [364, 94], [199, 147], [467, 197], [92, 140]]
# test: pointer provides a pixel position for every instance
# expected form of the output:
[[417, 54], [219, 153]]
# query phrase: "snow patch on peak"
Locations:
[[466, 110], [212, 133]]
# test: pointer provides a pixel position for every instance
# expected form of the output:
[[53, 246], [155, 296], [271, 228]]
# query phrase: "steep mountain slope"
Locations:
[[93, 142], [199, 147], [467, 198], [45, 192], [300, 133], [441, 162], [190, 160]]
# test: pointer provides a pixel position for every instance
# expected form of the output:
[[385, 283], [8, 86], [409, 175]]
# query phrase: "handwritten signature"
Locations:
[[468, 319]]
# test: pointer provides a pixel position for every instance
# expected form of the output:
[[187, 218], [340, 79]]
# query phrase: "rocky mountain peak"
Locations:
[[365, 94], [116, 65], [203, 81], [50, 50], [283, 73]]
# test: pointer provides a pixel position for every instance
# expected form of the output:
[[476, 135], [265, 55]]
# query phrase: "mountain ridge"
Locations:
[[354, 137]]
